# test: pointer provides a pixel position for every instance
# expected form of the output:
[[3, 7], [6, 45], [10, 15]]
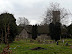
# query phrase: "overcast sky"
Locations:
[[33, 10]]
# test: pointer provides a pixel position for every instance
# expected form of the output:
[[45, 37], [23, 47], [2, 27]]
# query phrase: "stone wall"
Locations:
[[43, 37]]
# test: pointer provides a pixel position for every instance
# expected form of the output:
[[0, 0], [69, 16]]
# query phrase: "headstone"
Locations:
[[31, 41], [57, 42], [63, 40], [66, 43], [38, 41], [70, 46]]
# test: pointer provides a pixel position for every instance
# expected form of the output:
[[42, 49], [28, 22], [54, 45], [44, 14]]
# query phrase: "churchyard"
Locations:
[[28, 46]]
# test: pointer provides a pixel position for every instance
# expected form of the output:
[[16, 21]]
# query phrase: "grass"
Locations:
[[23, 47]]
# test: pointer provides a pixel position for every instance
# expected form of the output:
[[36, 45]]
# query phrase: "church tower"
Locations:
[[56, 16]]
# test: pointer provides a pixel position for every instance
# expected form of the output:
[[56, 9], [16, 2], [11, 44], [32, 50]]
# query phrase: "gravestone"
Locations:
[[57, 42], [66, 44], [31, 41]]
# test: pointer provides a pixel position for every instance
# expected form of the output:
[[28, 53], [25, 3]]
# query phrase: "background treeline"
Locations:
[[9, 29], [56, 31]]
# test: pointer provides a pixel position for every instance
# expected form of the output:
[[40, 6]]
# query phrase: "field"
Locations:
[[24, 47]]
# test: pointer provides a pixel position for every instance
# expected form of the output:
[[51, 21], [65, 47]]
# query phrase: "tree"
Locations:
[[69, 28], [49, 13], [8, 27], [23, 21], [55, 30], [64, 31], [34, 32], [52, 30]]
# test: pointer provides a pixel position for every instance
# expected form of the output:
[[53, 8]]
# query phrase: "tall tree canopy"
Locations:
[[23, 21], [8, 27]]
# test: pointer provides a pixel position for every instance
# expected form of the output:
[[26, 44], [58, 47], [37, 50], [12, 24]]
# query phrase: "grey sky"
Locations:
[[32, 9]]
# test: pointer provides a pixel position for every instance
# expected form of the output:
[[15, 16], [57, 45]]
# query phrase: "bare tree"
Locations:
[[23, 21], [49, 13]]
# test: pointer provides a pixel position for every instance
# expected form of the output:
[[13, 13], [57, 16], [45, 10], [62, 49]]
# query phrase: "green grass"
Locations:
[[23, 47]]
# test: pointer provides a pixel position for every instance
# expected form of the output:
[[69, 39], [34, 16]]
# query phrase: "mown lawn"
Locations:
[[23, 47]]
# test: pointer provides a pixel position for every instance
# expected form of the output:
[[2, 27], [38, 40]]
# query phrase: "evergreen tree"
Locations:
[[55, 30], [51, 30], [8, 27], [34, 32]]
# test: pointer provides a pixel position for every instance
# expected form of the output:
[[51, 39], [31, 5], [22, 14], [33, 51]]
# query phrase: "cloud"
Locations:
[[31, 9], [5, 6]]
